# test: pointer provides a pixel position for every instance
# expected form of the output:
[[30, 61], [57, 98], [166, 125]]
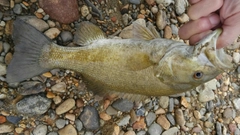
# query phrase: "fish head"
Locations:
[[185, 67]]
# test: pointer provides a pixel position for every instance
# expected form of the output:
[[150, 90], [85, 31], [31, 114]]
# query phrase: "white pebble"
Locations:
[[236, 57]]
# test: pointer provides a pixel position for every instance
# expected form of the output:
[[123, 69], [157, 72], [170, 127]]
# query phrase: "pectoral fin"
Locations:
[[142, 32]]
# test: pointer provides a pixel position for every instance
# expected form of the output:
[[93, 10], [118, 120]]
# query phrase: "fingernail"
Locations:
[[214, 19]]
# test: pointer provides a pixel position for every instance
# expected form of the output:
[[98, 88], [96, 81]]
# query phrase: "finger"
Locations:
[[231, 30], [197, 37], [204, 8], [198, 26]]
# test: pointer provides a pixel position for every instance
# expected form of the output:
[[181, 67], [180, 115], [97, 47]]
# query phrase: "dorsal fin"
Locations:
[[86, 33], [142, 32]]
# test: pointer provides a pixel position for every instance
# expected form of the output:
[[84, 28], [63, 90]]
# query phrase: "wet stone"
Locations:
[[6, 47], [60, 123], [90, 118], [17, 9], [150, 118], [33, 105], [219, 128], [68, 130], [6, 128], [111, 111], [84, 11], [40, 130], [52, 33], [171, 105], [122, 105], [155, 129], [14, 119], [31, 87]]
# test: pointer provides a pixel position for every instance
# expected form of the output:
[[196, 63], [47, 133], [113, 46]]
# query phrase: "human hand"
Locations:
[[209, 14]]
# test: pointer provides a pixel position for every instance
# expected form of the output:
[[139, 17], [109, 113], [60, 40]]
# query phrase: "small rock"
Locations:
[[84, 11], [141, 133], [218, 128], [5, 3], [57, 100], [124, 121], [206, 95], [90, 118], [3, 69], [35, 22], [161, 19], [70, 116], [52, 33], [130, 133], [65, 106], [139, 124], [57, 10], [79, 125], [66, 36], [6, 47], [212, 85], [155, 129], [19, 130], [163, 122], [208, 124], [184, 102], [197, 114], [33, 105], [236, 57], [232, 127], [154, 9], [111, 111], [8, 58], [228, 113], [52, 133], [59, 87], [183, 18], [2, 119], [125, 19], [60, 123], [136, 2], [174, 29], [40, 130], [164, 101], [150, 118], [14, 119], [17, 9], [180, 6], [105, 116], [197, 129], [150, 2], [31, 87], [122, 105], [171, 118], [6, 128], [171, 131], [179, 117], [165, 2], [68, 130], [236, 103]]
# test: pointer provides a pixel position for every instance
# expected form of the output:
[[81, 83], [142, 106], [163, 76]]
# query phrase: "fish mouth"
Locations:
[[218, 57]]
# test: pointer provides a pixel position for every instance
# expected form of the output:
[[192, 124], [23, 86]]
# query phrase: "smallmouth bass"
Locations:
[[147, 65]]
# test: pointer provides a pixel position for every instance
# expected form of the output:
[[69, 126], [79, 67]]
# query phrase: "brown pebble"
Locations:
[[114, 19], [162, 120], [68, 130], [150, 2], [8, 58], [105, 116], [179, 117], [65, 106], [130, 133], [9, 27], [232, 127], [57, 100], [70, 116], [160, 111], [2, 119], [19, 130], [140, 16], [167, 32], [47, 74], [139, 124], [80, 103], [39, 15], [50, 94]]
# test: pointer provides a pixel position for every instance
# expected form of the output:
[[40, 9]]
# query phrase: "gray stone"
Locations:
[[40, 130], [66, 36], [59, 87], [136, 2], [219, 128], [171, 118], [179, 117], [236, 57], [164, 101], [228, 113], [31, 87], [155, 129], [17, 9], [125, 19], [52, 133], [141, 133], [33, 105], [236, 103], [14, 119], [165, 2], [174, 29], [60, 123], [171, 105], [180, 6], [150, 118], [171, 131], [123, 105], [79, 125], [90, 118], [6, 47], [111, 111], [212, 84], [206, 95], [124, 121]]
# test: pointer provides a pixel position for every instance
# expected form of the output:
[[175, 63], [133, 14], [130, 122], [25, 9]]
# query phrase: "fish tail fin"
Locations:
[[29, 43]]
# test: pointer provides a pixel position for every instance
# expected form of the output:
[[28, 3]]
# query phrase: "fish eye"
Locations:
[[198, 75]]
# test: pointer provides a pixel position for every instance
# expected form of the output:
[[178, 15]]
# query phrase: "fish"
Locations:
[[145, 65]]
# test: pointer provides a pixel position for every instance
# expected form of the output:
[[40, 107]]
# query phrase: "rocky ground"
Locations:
[[57, 102]]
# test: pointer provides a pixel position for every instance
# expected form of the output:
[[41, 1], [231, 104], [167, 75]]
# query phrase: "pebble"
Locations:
[[150, 2], [124, 121], [232, 127], [14, 119], [3, 69], [228, 113], [125, 18], [90, 118], [150, 118], [167, 32], [17, 9], [163, 122], [40, 130], [183, 18], [6, 128], [174, 29], [8, 58], [66, 36], [70, 116], [122, 105], [141, 133], [57, 100], [171, 118], [5, 3], [136, 2], [161, 19], [236, 57], [206, 95], [84, 11], [2, 119], [104, 116], [31, 87], [219, 128], [180, 6], [33, 105], [164, 101], [79, 125], [111, 111], [129, 133], [68, 130], [35, 22], [6, 47], [19, 130], [155, 129], [52, 33], [60, 123], [236, 103], [179, 117], [165, 2], [65, 106], [59, 87], [57, 10], [171, 131], [52, 133], [139, 124]]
